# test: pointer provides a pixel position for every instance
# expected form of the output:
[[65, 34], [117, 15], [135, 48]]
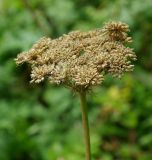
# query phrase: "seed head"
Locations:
[[80, 60]]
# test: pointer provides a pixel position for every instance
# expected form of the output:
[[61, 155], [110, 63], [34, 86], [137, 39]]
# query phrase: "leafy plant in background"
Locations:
[[80, 60]]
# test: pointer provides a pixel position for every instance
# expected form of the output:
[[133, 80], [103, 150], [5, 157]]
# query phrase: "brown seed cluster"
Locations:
[[81, 59]]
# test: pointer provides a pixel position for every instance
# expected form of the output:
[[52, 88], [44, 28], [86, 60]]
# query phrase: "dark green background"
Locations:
[[43, 122]]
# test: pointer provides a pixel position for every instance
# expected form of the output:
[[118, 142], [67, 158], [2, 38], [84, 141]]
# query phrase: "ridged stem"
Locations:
[[85, 125]]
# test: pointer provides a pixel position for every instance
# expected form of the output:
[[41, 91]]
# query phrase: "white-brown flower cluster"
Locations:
[[81, 59]]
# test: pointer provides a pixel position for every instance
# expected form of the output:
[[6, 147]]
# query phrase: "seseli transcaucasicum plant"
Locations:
[[80, 60]]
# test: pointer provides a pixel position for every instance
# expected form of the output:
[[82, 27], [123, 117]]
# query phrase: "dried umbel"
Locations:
[[81, 59]]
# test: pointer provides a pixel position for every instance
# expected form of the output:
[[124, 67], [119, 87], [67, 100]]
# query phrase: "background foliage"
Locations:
[[42, 122]]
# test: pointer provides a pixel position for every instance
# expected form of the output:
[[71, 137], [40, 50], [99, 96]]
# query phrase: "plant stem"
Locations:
[[85, 124]]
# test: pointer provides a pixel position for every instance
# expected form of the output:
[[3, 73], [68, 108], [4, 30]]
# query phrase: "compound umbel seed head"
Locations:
[[81, 59]]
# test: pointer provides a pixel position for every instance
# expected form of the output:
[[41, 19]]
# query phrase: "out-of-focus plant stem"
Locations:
[[35, 15], [85, 124]]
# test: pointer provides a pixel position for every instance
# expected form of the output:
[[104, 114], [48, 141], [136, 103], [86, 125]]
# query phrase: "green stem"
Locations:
[[85, 124]]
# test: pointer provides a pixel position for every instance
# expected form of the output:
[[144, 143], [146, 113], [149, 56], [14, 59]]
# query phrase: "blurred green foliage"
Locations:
[[42, 122]]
